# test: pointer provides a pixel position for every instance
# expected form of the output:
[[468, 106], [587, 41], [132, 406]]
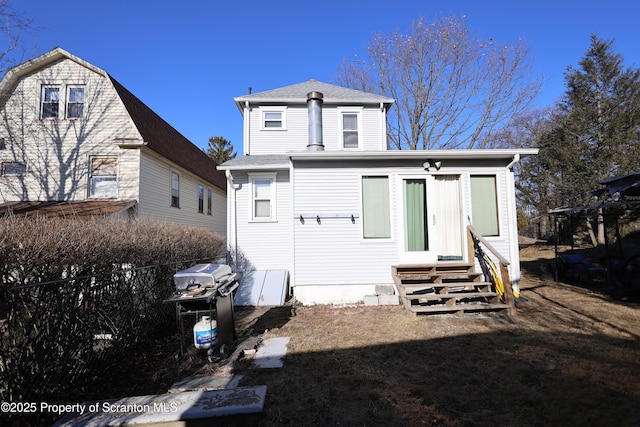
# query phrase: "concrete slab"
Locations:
[[167, 408], [370, 300], [202, 383], [271, 352], [384, 290], [388, 300]]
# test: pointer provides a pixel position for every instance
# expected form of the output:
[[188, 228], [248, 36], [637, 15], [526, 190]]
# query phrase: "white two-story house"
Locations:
[[320, 198], [74, 141]]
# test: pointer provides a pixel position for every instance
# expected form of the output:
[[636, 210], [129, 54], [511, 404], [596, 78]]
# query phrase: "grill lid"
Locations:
[[202, 275]]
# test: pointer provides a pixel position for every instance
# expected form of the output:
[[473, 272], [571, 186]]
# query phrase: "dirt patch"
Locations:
[[570, 357]]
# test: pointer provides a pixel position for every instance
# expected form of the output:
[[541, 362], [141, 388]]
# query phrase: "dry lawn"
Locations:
[[571, 357]]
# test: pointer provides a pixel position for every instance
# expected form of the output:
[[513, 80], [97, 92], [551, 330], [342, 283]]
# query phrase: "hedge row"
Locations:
[[75, 296]]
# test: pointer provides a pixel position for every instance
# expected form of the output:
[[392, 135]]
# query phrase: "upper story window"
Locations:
[[263, 197], [484, 204], [103, 177], [274, 118], [50, 102], [175, 190], [350, 125], [75, 102], [13, 169]]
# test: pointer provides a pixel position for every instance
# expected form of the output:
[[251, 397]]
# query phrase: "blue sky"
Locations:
[[188, 60]]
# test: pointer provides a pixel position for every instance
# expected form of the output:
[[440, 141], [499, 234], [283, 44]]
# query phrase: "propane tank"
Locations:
[[205, 333]]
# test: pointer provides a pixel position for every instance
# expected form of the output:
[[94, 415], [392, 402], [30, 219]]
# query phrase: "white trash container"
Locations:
[[205, 333]]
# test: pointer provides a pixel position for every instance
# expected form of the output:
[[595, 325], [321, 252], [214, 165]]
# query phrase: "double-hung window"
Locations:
[[484, 204], [75, 102], [103, 177], [274, 118], [175, 190], [50, 102], [263, 197], [376, 212], [350, 125]]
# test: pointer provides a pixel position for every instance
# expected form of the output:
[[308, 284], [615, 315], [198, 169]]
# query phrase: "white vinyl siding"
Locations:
[[334, 251], [50, 152], [155, 175], [260, 244], [371, 131]]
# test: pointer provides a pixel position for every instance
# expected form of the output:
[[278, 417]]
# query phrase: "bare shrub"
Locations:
[[76, 295]]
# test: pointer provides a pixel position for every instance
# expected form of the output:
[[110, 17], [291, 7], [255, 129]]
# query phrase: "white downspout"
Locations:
[[232, 209], [513, 247], [247, 127]]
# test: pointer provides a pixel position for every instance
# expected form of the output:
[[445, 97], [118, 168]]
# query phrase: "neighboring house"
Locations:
[[74, 141], [319, 196]]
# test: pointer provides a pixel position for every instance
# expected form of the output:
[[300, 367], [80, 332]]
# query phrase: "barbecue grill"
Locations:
[[206, 289]]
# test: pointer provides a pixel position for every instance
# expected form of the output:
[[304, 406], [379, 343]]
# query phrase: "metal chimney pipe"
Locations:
[[314, 108]]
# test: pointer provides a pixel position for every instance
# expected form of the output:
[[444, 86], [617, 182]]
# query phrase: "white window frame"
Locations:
[[273, 109], [271, 178], [357, 111], [93, 195], [209, 201], [12, 167], [42, 101], [68, 102], [495, 176], [177, 190], [363, 213]]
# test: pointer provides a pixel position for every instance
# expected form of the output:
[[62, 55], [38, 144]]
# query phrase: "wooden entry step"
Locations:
[[445, 288]]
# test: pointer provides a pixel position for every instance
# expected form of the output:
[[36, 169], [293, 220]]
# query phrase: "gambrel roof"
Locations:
[[157, 135], [297, 93]]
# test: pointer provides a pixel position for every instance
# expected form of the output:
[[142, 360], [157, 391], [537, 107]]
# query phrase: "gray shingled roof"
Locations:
[[262, 161], [298, 93]]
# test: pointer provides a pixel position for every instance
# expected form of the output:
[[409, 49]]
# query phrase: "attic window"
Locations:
[[274, 118], [50, 104], [75, 102]]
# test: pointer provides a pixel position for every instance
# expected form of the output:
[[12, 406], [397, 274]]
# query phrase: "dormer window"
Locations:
[[50, 104], [274, 118]]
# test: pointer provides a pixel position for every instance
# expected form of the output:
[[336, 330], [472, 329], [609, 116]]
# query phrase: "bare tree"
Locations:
[[12, 27], [452, 90]]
